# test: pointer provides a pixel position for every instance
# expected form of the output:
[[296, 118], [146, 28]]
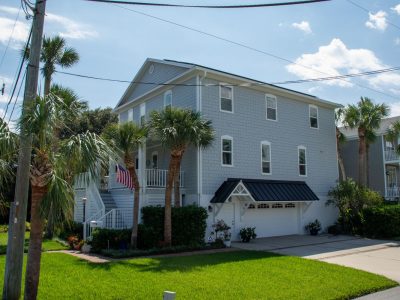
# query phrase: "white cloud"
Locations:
[[332, 60], [19, 36], [315, 89], [396, 9], [397, 41], [9, 10], [70, 28], [303, 26], [377, 21], [387, 81], [394, 109]]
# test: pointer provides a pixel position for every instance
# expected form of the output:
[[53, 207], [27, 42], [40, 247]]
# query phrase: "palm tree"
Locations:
[[126, 139], [340, 139], [54, 53], [393, 133], [50, 174], [178, 129], [366, 117]]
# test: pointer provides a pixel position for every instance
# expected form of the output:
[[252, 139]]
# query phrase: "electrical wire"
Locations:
[[352, 75], [261, 5], [10, 39], [246, 47], [16, 99]]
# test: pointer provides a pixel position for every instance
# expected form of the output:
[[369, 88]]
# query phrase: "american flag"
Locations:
[[124, 177]]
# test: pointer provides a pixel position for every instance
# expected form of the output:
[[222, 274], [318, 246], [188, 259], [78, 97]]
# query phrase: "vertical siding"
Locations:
[[248, 127], [349, 151]]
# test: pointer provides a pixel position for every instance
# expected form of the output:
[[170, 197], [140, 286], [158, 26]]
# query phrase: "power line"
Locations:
[[243, 46], [18, 73], [369, 12], [368, 73], [210, 6], [11, 35], [16, 98]]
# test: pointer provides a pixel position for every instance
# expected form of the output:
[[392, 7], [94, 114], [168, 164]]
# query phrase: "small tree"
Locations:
[[178, 129], [126, 138]]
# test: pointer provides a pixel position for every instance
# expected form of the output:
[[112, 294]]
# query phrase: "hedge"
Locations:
[[382, 221], [188, 224], [103, 238]]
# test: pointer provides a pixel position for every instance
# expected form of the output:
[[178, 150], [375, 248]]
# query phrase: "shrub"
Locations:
[[382, 222], [188, 224], [351, 199], [103, 238], [313, 227], [148, 237], [247, 233], [71, 229]]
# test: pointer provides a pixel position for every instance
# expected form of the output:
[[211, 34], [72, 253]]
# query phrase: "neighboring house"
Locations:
[[384, 163], [271, 165]]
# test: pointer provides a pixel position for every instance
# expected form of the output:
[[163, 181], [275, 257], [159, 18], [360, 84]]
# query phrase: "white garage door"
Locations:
[[272, 219]]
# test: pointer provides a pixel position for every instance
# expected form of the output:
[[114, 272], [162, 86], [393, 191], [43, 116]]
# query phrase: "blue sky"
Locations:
[[333, 37]]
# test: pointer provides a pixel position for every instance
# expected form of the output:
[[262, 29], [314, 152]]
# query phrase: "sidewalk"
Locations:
[[390, 294]]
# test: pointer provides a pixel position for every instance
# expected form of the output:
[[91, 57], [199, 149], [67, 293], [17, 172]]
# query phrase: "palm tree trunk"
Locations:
[[35, 244], [177, 190], [339, 154], [47, 84], [131, 167], [172, 169], [367, 162], [362, 172]]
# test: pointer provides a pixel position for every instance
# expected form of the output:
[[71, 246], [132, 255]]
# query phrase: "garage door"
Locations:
[[272, 219]]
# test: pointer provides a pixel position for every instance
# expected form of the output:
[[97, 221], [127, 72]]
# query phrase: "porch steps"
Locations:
[[108, 201]]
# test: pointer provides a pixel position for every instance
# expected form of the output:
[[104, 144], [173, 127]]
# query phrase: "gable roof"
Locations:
[[267, 190], [385, 125], [249, 82]]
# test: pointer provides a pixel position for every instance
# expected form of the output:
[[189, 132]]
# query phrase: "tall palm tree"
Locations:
[[366, 117], [54, 53], [340, 139], [126, 139], [178, 129], [50, 174]]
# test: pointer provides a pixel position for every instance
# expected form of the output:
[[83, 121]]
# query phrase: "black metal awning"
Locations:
[[264, 190]]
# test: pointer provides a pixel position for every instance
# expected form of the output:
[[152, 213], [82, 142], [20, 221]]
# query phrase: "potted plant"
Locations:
[[86, 248], [221, 231], [313, 227], [247, 233]]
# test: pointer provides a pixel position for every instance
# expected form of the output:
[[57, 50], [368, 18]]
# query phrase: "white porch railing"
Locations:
[[154, 178], [114, 219], [392, 192], [391, 155]]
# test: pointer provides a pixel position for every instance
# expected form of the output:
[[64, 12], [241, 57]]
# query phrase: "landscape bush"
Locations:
[[103, 238], [350, 199], [382, 221], [188, 224], [71, 229]]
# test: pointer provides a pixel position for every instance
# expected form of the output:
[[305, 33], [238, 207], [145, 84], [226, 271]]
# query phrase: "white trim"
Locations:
[[223, 84], [266, 143], [167, 93], [226, 137], [248, 194], [298, 160], [266, 107], [384, 164], [309, 115]]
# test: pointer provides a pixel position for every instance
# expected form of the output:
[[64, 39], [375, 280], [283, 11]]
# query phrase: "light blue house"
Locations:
[[271, 164]]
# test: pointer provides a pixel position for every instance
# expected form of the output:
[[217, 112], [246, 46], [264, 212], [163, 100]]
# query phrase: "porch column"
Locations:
[[142, 176]]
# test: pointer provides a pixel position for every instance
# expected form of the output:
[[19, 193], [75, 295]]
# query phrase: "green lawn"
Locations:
[[46, 246], [231, 275]]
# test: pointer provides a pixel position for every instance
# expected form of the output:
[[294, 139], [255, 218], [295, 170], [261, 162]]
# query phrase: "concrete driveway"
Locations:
[[375, 256]]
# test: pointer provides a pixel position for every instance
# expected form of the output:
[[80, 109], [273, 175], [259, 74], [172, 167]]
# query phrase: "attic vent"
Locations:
[[277, 205], [263, 205], [151, 69], [290, 205]]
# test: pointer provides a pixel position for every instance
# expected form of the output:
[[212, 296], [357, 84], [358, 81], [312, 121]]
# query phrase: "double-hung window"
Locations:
[[266, 158], [272, 111], [226, 98], [313, 113], [142, 113], [168, 99], [302, 160], [227, 151]]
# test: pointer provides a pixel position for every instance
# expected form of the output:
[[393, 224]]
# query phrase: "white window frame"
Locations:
[[298, 160], [309, 115], [166, 94], [266, 143], [142, 113], [220, 98], [226, 137], [266, 107], [154, 153]]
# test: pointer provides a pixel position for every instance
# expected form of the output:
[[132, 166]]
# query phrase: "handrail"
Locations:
[[391, 155]]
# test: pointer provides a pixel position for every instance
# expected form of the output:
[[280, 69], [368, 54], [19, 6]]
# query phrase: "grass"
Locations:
[[230, 275], [47, 245]]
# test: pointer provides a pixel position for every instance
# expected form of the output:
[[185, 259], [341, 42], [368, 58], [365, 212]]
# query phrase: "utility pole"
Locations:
[[16, 230]]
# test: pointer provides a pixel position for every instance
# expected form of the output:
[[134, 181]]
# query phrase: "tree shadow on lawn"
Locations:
[[182, 263]]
